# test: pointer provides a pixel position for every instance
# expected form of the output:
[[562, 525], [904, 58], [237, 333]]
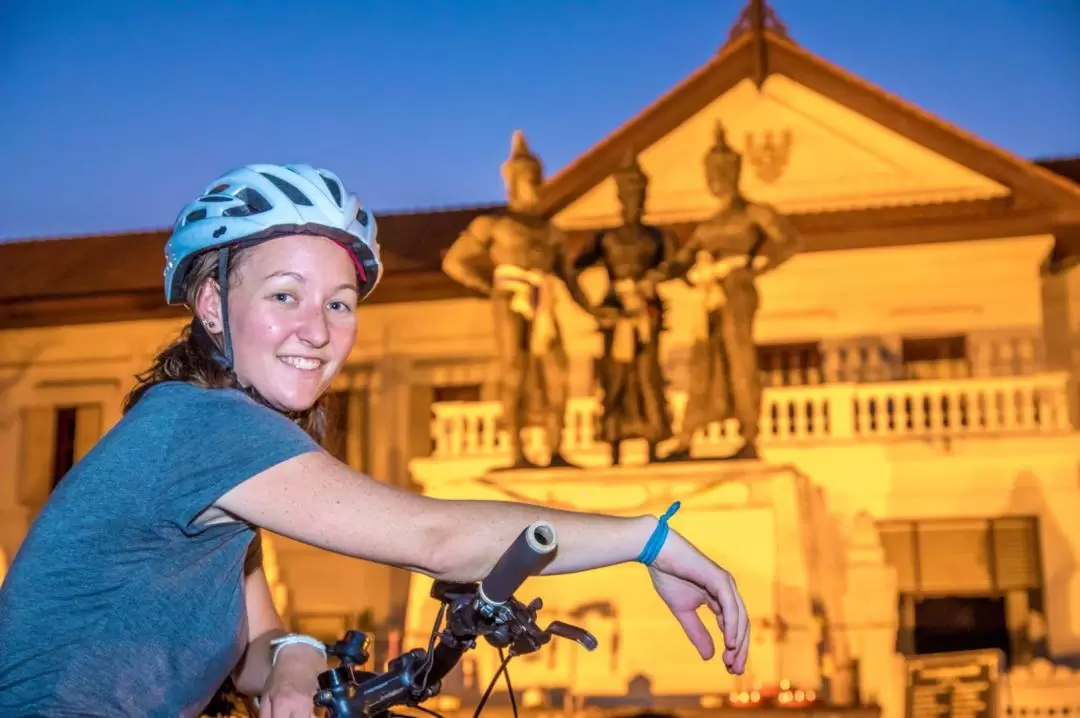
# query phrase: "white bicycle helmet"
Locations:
[[254, 203]]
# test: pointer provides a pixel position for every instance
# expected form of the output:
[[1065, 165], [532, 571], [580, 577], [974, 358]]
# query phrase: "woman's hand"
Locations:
[[292, 684], [686, 580]]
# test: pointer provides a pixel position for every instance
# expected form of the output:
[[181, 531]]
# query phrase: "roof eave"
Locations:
[[1029, 182]]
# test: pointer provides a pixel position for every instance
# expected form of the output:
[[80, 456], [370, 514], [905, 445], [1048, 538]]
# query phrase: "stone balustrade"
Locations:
[[1042, 690], [892, 410]]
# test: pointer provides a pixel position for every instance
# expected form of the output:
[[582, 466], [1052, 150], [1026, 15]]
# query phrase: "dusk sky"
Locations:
[[117, 112]]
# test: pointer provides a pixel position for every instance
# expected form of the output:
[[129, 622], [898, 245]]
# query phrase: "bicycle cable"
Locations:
[[429, 660], [428, 711], [491, 686], [509, 687]]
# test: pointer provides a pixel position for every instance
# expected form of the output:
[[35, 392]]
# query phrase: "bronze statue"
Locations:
[[517, 259], [630, 318], [723, 256]]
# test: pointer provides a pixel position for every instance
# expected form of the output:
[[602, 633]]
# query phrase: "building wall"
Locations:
[[989, 290], [970, 478]]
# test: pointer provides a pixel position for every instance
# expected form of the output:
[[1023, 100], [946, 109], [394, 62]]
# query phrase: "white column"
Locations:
[[14, 518], [36, 444], [1061, 329], [357, 427], [88, 428]]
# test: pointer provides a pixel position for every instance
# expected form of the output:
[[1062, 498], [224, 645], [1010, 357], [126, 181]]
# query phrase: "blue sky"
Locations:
[[117, 112]]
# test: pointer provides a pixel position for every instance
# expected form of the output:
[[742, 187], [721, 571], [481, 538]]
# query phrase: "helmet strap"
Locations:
[[223, 292]]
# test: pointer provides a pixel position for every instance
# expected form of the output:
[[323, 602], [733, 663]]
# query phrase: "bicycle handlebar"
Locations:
[[533, 548], [487, 609]]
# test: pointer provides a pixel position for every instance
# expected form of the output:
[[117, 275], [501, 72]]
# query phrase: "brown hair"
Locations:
[[191, 357]]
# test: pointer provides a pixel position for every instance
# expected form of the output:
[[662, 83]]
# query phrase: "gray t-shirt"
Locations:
[[117, 604]]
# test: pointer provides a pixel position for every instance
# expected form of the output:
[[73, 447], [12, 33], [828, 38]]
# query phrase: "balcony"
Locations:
[[805, 416]]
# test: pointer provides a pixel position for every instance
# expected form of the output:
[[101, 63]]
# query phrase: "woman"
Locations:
[[130, 595]]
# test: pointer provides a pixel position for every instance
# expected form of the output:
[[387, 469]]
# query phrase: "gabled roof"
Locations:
[[768, 50]]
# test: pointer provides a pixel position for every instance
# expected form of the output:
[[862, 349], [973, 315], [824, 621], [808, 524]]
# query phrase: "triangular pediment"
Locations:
[[814, 139], [802, 152]]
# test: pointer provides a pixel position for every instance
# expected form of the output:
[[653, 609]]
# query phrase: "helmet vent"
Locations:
[[362, 217], [254, 203], [295, 196], [254, 200], [334, 187], [218, 189], [195, 215]]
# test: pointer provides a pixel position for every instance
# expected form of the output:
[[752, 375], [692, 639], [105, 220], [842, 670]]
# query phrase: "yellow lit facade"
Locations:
[[921, 428]]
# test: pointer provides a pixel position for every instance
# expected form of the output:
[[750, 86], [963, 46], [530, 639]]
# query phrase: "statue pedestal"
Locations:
[[756, 520]]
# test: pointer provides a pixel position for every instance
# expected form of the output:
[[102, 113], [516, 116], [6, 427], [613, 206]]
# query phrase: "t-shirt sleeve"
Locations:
[[220, 439]]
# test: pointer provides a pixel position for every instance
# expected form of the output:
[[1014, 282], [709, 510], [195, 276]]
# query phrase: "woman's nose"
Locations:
[[313, 329]]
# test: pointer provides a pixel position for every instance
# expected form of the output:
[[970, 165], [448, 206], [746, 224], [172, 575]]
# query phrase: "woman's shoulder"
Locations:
[[189, 411], [178, 398], [185, 391]]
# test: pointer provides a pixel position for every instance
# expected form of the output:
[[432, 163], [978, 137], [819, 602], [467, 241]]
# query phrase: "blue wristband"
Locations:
[[659, 536]]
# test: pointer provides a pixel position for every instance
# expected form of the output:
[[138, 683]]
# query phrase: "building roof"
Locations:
[[741, 57], [112, 277], [101, 278], [1068, 167]]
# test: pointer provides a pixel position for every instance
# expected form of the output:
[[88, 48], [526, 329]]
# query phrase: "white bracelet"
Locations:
[[287, 640]]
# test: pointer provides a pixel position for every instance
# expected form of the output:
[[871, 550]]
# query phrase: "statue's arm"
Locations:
[[459, 262], [678, 260], [591, 254], [569, 268], [782, 240]]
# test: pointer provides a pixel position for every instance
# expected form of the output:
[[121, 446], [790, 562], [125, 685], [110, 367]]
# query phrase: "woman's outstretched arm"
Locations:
[[316, 499]]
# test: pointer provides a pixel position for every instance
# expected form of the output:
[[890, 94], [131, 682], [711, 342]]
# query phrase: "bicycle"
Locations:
[[486, 609]]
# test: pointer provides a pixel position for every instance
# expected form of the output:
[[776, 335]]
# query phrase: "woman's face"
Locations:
[[292, 318]]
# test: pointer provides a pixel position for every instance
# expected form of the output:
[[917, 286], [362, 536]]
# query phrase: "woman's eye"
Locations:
[[340, 306], [282, 297]]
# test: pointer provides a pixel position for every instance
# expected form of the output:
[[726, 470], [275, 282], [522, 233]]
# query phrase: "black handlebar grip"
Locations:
[[533, 549]]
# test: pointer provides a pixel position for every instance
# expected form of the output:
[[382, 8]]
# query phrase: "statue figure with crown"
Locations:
[[630, 317], [722, 258], [518, 258]]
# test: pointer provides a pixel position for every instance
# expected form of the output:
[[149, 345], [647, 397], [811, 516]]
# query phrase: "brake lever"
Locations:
[[574, 633]]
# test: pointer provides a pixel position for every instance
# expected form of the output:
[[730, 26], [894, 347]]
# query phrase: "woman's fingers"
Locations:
[[744, 619], [724, 593], [744, 630], [287, 706], [696, 632], [731, 619]]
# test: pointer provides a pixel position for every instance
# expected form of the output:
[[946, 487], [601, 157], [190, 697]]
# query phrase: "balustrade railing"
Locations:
[[1042, 690], [1035, 404], [875, 359]]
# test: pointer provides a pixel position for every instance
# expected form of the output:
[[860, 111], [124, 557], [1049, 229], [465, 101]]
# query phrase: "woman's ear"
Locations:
[[208, 307]]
